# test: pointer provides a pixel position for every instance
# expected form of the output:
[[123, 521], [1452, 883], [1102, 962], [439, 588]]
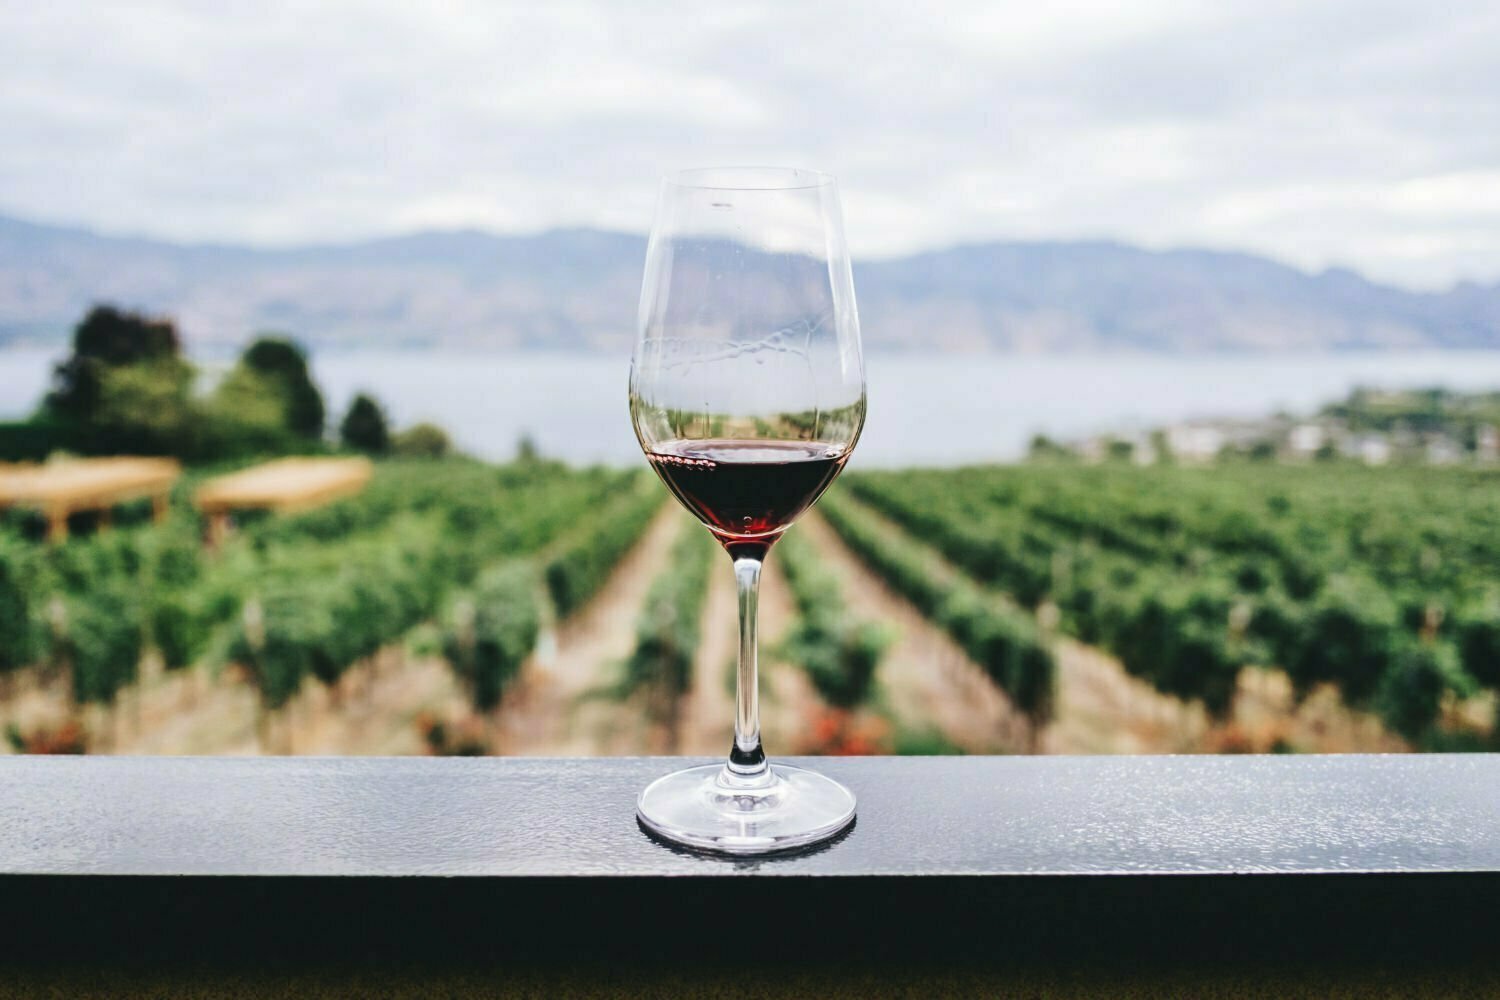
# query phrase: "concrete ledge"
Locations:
[[972, 859]]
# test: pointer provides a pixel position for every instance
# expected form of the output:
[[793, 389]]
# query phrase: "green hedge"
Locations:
[[490, 631], [577, 570], [1002, 639], [839, 654], [34, 440], [660, 665]]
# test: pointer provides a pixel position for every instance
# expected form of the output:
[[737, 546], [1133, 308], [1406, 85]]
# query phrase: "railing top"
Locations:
[[978, 816]]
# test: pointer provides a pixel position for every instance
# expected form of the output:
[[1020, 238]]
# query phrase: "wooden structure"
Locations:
[[64, 487], [284, 485]]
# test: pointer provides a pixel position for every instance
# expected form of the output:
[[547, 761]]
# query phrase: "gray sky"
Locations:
[[1364, 134]]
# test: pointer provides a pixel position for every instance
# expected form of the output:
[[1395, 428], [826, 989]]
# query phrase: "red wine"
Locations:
[[747, 492]]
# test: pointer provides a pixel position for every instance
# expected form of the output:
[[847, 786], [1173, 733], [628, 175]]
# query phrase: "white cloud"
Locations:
[[1352, 132]]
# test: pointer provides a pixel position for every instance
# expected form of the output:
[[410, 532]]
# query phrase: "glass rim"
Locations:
[[749, 179]]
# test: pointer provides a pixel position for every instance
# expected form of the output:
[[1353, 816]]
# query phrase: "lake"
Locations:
[[922, 411]]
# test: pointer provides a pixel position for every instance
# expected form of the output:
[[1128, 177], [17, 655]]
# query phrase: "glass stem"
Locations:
[[747, 766]]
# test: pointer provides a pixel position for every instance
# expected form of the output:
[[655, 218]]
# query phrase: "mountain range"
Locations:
[[575, 289]]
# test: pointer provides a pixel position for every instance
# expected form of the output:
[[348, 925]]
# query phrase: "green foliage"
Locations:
[[1189, 574], [293, 596], [364, 427], [1044, 449], [144, 408], [1461, 415], [86, 607], [321, 610], [33, 440], [840, 655], [342, 582], [1172, 634], [102, 560], [266, 405], [1476, 630], [1003, 640], [177, 610], [839, 660], [107, 338], [668, 630], [101, 642], [126, 389], [579, 568], [492, 630], [422, 441], [180, 628], [282, 363], [1411, 691], [1348, 637], [280, 635], [245, 415], [1005, 643], [22, 635]]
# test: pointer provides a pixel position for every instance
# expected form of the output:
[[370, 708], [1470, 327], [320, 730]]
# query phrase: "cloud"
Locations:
[[1362, 134]]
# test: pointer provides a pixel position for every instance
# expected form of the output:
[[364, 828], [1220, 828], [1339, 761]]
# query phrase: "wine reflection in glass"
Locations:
[[747, 392]]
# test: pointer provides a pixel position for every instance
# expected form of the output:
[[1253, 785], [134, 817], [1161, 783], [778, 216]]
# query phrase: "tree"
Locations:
[[107, 338], [1161, 446], [364, 427], [1043, 448], [245, 415], [422, 441], [283, 363], [1263, 451], [146, 407]]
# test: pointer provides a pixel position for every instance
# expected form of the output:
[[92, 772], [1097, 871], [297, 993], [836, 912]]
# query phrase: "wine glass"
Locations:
[[747, 391]]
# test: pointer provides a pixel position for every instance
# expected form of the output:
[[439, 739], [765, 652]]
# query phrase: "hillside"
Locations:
[[576, 289]]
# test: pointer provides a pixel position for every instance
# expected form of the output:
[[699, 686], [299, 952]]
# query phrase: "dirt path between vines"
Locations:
[[928, 682], [183, 712], [550, 714], [195, 712], [1100, 709], [786, 698], [708, 708]]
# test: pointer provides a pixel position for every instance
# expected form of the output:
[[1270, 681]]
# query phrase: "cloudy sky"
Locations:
[[1361, 133]]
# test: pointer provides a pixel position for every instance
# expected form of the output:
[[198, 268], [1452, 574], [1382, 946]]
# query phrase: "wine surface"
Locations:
[[745, 490]]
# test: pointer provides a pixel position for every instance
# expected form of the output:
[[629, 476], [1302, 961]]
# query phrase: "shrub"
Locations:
[[364, 427], [491, 631], [422, 441]]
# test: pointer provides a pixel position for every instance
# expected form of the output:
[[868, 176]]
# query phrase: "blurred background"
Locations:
[[1181, 323]]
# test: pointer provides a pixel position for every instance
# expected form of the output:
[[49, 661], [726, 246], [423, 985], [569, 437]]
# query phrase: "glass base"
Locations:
[[703, 809]]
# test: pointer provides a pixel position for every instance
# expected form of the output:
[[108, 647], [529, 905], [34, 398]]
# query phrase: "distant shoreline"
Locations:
[[924, 410]]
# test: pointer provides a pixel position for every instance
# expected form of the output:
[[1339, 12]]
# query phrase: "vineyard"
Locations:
[[458, 607], [1378, 584]]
